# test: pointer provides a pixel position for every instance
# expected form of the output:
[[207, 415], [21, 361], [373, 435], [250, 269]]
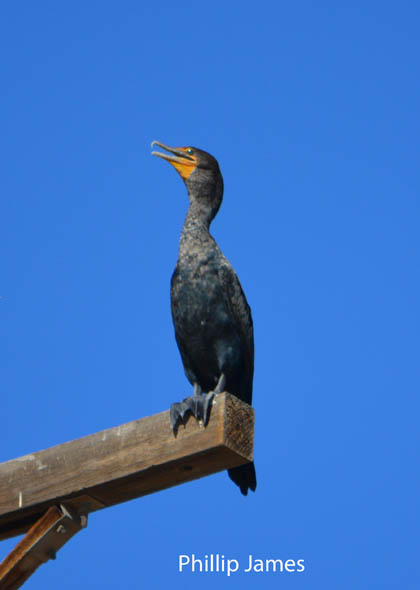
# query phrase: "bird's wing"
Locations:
[[241, 314], [180, 336]]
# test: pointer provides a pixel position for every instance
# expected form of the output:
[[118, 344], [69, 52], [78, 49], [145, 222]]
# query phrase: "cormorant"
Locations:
[[212, 319]]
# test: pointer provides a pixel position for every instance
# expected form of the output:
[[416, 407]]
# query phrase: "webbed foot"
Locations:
[[198, 404]]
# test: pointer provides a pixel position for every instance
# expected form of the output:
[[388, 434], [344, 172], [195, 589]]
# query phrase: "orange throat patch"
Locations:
[[185, 169]]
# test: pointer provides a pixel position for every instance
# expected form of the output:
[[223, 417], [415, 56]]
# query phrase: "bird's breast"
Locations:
[[197, 297]]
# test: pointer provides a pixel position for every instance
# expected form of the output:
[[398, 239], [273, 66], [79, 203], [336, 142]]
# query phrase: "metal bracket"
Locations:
[[41, 543]]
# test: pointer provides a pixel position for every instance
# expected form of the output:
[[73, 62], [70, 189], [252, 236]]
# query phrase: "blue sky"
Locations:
[[312, 110]]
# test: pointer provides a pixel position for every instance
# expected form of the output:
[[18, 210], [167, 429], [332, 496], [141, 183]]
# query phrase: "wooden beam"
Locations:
[[122, 463], [40, 544]]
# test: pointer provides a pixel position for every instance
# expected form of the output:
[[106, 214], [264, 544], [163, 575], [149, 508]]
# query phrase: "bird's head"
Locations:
[[200, 172]]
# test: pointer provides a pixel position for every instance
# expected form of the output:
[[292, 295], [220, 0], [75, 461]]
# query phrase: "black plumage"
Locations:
[[212, 319]]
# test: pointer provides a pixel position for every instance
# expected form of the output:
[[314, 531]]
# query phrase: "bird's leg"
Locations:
[[207, 398], [198, 404], [220, 387]]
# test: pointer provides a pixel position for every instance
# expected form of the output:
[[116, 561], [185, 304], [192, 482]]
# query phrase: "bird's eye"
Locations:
[[190, 151]]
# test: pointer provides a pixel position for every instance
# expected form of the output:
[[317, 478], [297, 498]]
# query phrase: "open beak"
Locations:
[[178, 157]]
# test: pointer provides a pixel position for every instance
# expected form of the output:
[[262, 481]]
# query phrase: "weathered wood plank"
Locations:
[[122, 463]]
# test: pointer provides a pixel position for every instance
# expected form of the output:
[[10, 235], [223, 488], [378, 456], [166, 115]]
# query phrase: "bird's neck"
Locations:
[[205, 200], [196, 229]]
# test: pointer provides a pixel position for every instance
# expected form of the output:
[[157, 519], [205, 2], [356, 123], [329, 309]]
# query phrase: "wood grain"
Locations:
[[41, 543], [122, 463]]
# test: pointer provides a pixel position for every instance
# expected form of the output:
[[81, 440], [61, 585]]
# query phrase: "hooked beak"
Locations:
[[184, 163]]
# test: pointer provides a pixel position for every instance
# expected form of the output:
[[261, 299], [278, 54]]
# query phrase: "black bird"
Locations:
[[212, 319]]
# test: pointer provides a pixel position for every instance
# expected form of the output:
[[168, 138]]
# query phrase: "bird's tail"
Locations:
[[244, 477]]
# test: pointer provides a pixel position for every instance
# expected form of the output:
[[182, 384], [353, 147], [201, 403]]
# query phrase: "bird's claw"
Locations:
[[198, 405]]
